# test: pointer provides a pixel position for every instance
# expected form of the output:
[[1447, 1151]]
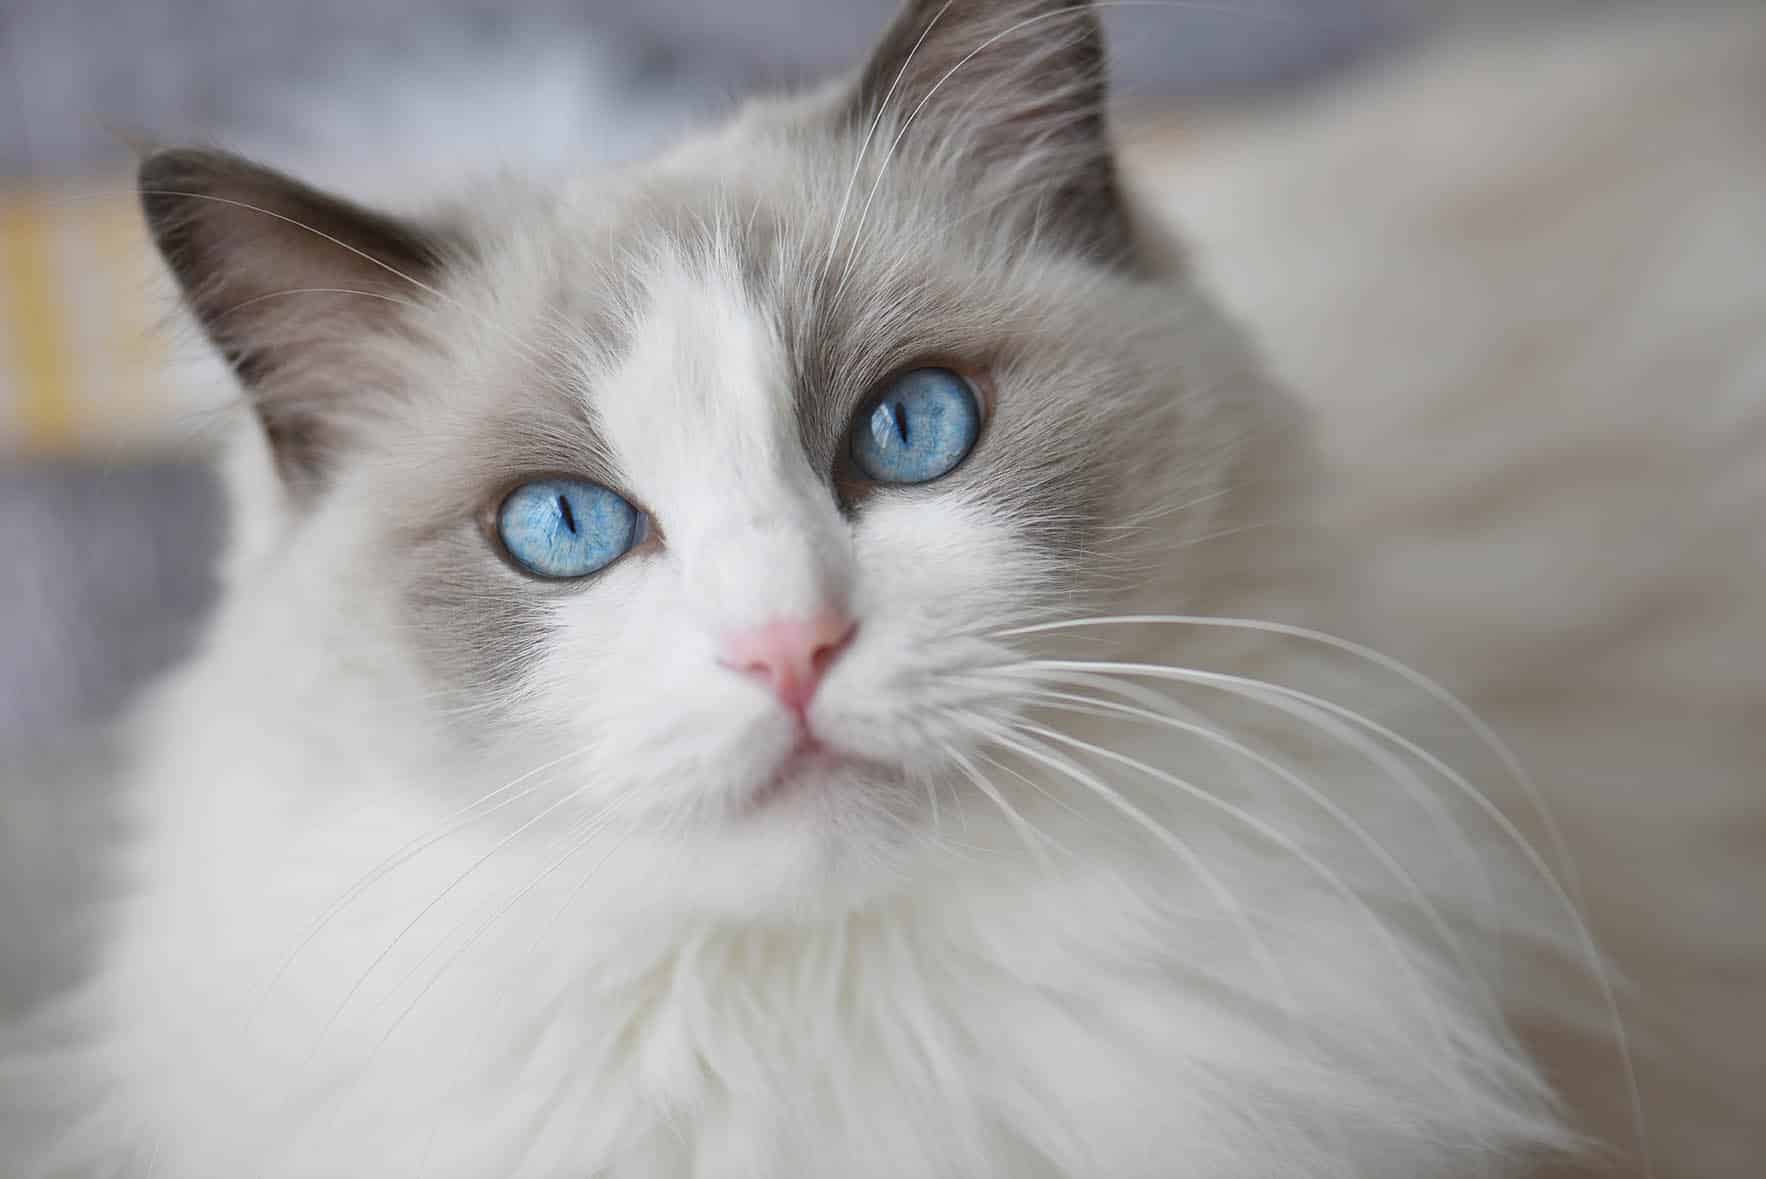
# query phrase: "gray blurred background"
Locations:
[[107, 559]]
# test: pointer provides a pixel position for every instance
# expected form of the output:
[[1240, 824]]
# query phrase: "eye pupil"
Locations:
[[567, 528], [922, 427]]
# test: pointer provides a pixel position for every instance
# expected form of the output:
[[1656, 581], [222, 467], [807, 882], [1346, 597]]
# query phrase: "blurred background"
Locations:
[[108, 516]]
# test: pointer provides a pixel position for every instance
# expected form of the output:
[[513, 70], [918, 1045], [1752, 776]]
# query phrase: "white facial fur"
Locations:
[[568, 941], [753, 533], [702, 414]]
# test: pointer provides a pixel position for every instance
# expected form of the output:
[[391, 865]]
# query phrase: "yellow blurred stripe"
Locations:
[[123, 251], [39, 336]]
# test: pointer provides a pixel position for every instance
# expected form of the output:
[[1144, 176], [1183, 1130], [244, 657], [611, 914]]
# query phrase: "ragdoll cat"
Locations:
[[731, 668]]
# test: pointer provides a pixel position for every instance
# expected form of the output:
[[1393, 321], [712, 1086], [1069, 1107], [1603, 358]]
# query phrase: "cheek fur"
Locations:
[[938, 576], [628, 676]]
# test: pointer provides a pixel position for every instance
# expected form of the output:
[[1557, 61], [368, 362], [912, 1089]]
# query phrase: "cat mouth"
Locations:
[[805, 771]]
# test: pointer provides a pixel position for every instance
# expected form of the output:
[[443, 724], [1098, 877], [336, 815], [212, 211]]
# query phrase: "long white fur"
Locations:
[[600, 971], [667, 1003]]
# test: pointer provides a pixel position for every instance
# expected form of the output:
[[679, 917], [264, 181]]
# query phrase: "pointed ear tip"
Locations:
[[170, 180], [164, 180], [174, 172], [171, 167]]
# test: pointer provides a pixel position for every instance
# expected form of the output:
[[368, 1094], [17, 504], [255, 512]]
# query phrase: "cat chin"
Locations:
[[785, 871], [826, 843]]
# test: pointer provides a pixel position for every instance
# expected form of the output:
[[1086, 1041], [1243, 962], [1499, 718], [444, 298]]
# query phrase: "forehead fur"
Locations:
[[763, 217], [721, 270]]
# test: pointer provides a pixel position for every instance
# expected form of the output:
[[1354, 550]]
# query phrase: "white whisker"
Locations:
[[1082, 12], [255, 299], [1511, 764], [1271, 694], [1331, 879], [870, 133], [1033, 784], [1033, 838], [1381, 758], [1259, 948], [1317, 797], [521, 345]]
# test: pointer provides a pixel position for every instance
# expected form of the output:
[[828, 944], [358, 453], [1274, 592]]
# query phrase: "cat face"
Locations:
[[711, 486]]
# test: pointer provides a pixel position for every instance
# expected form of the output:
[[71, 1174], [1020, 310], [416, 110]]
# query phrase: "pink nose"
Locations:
[[790, 655]]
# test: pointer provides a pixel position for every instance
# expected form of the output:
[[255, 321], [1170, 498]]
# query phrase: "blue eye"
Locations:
[[922, 427], [567, 527]]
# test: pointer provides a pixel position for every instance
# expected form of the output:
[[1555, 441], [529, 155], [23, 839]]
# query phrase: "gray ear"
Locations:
[[1012, 92], [287, 282]]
